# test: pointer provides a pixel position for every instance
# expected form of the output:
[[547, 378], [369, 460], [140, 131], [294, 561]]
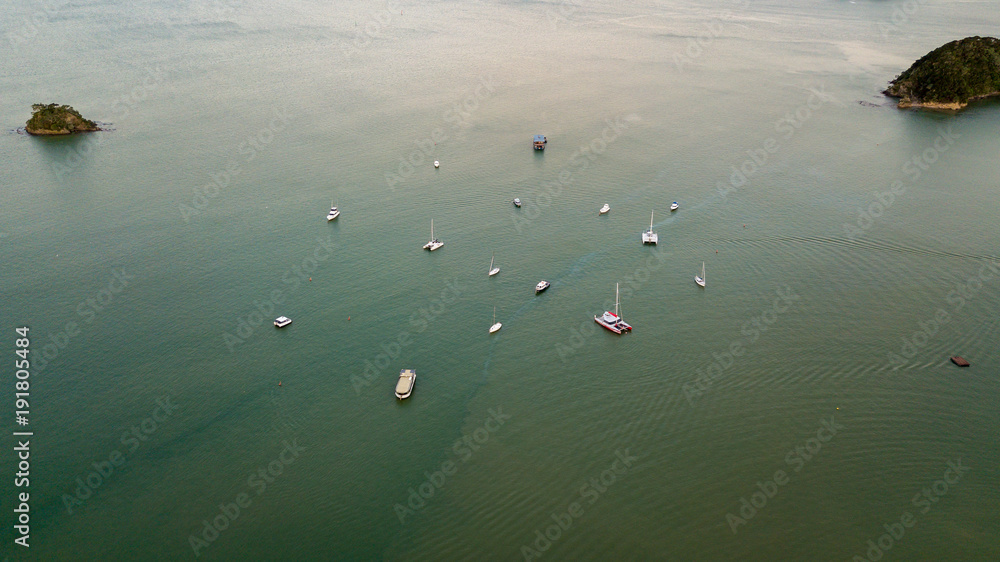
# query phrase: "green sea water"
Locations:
[[850, 250]]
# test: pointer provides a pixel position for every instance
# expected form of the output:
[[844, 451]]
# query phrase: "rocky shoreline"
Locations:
[[950, 106]]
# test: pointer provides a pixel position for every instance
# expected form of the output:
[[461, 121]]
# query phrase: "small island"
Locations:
[[55, 119], [951, 76]]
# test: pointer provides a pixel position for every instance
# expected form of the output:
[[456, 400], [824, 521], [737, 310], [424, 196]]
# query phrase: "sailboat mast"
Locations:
[[616, 299]]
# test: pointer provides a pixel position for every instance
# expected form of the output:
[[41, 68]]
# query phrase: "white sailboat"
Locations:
[[493, 270], [434, 244], [648, 236], [496, 325], [612, 321], [700, 279], [334, 212]]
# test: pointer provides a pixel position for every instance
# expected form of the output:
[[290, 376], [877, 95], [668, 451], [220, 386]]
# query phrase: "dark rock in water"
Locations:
[[55, 119]]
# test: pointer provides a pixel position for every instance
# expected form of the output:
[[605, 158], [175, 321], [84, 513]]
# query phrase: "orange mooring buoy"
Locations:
[[279, 383], [348, 318]]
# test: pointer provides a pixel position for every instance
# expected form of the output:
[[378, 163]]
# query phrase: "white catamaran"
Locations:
[[613, 321], [648, 236], [434, 244]]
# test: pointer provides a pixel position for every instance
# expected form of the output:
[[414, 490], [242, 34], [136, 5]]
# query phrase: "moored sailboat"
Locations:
[[496, 325], [648, 236], [493, 270], [434, 244], [612, 321]]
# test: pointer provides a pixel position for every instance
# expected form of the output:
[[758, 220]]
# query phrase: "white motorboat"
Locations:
[[517, 202], [334, 212], [541, 286], [611, 320], [604, 209], [674, 206], [282, 321], [648, 236], [434, 244], [496, 325], [404, 386], [437, 164], [700, 279], [493, 270]]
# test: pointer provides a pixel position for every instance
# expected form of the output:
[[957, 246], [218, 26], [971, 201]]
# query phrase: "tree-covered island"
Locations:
[[55, 119], [951, 76]]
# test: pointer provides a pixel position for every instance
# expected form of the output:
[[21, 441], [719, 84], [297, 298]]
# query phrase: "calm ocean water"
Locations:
[[796, 408]]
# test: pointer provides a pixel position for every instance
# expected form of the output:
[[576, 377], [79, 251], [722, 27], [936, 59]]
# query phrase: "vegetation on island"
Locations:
[[55, 119], [951, 75]]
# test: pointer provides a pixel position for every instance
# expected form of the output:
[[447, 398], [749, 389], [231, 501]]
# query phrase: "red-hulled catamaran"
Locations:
[[613, 321]]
